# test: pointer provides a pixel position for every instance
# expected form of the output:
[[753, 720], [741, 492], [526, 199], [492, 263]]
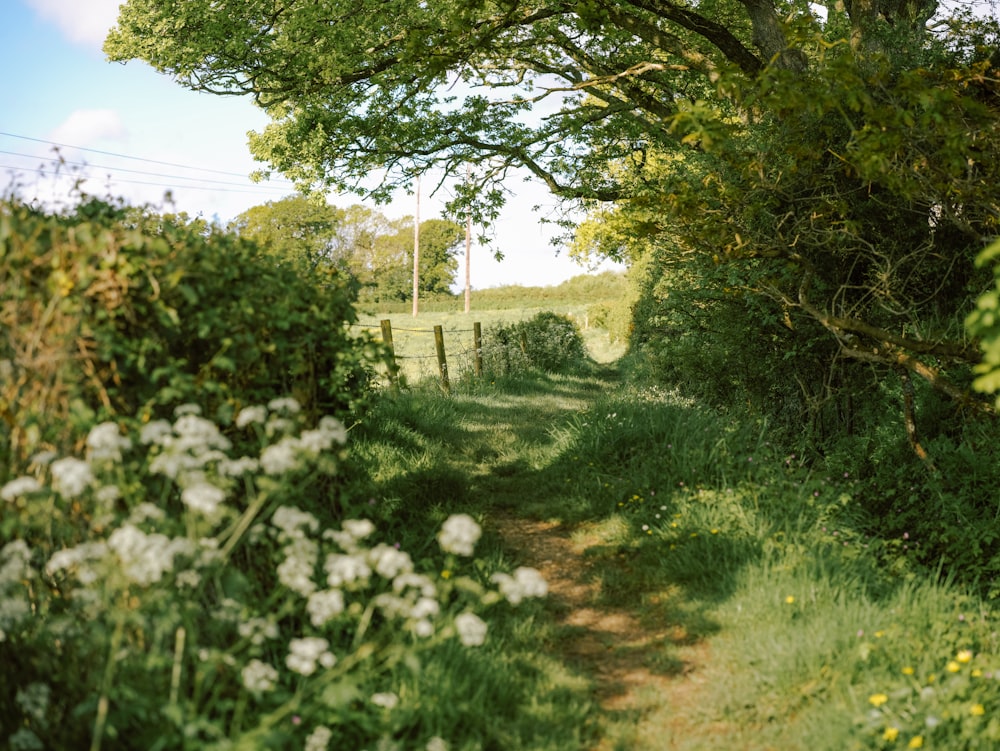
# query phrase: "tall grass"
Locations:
[[820, 636]]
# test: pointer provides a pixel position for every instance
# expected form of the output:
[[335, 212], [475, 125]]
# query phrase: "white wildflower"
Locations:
[[293, 522], [203, 498], [392, 606], [14, 558], [146, 512], [334, 428], [44, 458], [420, 582], [187, 409], [423, 628], [106, 443], [77, 558], [19, 487], [526, 582], [251, 415], [107, 494], [385, 699], [437, 743], [296, 571], [259, 677], [425, 607], [319, 739], [325, 605], [195, 433], [155, 432], [346, 570], [70, 476], [236, 467], [471, 629], [280, 457], [389, 562], [314, 442], [145, 558], [304, 655], [358, 528], [459, 534], [278, 425], [258, 630], [284, 404], [189, 578]]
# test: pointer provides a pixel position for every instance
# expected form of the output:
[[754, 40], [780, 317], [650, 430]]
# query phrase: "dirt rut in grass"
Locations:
[[647, 670]]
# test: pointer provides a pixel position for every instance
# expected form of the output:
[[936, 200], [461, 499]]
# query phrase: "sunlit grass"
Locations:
[[758, 567]]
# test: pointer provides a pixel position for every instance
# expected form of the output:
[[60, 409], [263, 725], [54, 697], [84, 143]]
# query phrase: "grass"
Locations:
[[696, 520], [414, 345]]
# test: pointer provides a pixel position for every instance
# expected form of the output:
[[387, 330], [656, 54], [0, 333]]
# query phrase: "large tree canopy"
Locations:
[[839, 163]]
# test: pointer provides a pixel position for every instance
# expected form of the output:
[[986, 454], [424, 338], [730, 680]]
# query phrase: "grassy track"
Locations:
[[771, 623]]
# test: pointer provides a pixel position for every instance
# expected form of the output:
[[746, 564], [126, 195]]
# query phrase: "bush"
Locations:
[[165, 592], [548, 342], [109, 310]]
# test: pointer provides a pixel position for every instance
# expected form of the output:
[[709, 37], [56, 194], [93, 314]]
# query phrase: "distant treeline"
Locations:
[[585, 289]]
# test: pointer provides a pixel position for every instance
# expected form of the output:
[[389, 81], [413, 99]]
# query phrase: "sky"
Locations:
[[68, 114]]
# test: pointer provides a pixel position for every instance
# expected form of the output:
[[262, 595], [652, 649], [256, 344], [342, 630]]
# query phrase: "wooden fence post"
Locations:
[[387, 338], [442, 362], [477, 343]]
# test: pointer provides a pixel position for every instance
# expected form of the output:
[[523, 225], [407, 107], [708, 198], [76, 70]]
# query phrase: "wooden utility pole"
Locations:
[[468, 250], [468, 263], [416, 252]]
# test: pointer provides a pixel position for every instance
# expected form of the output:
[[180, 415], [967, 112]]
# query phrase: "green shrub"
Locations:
[[109, 310], [548, 342]]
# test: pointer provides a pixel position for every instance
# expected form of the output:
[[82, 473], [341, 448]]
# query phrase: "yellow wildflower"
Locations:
[[907, 670], [977, 710], [890, 734], [953, 667], [790, 599], [964, 656], [916, 741], [877, 700]]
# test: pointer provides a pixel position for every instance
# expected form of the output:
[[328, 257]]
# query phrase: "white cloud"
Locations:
[[84, 127], [83, 22]]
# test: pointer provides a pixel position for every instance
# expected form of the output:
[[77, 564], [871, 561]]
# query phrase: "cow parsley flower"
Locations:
[[19, 487], [305, 654], [250, 415], [459, 534], [203, 498], [279, 457], [294, 523], [296, 571], [70, 476], [319, 739], [106, 443], [324, 606], [526, 582], [385, 699], [471, 629], [389, 562], [285, 404], [346, 570], [259, 677]]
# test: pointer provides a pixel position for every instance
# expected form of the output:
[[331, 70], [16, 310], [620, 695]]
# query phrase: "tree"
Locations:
[[296, 227], [840, 169]]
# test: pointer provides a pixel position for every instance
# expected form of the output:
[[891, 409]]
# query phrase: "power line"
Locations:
[[140, 172], [252, 191], [122, 156]]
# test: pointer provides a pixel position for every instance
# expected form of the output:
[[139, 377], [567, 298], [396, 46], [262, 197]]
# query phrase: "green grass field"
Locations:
[[413, 338]]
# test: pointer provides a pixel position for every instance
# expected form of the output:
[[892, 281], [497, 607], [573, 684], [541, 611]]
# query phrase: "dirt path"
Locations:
[[648, 703]]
